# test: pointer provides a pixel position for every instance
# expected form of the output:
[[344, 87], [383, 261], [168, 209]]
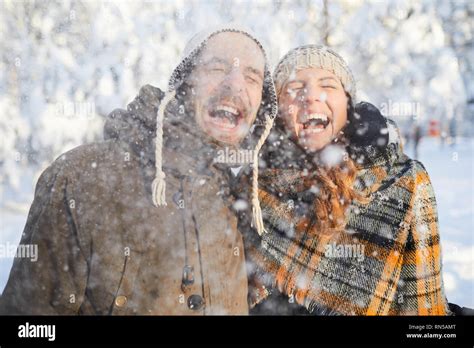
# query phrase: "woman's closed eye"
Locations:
[[294, 87]]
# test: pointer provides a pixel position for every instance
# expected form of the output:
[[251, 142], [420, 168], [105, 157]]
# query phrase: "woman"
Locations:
[[350, 221]]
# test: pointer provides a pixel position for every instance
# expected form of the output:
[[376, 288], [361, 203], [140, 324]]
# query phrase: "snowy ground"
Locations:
[[451, 169]]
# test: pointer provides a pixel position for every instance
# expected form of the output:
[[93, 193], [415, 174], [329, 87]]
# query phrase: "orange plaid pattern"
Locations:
[[399, 271]]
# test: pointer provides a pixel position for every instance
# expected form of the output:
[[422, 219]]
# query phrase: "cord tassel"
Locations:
[[158, 187]]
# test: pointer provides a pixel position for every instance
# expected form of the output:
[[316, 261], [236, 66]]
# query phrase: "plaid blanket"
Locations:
[[386, 262]]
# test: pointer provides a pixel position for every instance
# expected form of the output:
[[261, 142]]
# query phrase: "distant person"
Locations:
[[417, 135], [452, 131]]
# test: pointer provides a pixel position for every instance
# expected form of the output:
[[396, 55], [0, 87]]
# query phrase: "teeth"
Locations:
[[313, 130], [223, 124], [229, 109], [227, 125], [316, 116]]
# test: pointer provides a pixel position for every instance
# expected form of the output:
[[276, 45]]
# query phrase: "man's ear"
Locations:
[[185, 91]]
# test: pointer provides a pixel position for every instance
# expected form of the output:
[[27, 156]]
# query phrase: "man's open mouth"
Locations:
[[225, 116], [315, 123]]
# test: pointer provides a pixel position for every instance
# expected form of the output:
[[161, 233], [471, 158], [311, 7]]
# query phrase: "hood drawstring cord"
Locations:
[[158, 187]]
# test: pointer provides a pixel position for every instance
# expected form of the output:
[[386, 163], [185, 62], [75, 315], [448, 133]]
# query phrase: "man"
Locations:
[[112, 237]]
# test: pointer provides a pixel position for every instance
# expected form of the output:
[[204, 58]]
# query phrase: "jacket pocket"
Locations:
[[123, 301]]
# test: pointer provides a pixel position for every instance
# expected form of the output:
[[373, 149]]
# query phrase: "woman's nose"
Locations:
[[313, 93]]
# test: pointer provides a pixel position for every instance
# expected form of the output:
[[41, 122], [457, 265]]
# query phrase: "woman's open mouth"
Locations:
[[315, 123]]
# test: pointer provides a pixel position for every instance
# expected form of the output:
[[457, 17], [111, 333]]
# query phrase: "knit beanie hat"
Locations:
[[314, 56], [268, 110]]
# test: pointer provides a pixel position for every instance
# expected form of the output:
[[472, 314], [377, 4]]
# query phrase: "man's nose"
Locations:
[[235, 81]]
